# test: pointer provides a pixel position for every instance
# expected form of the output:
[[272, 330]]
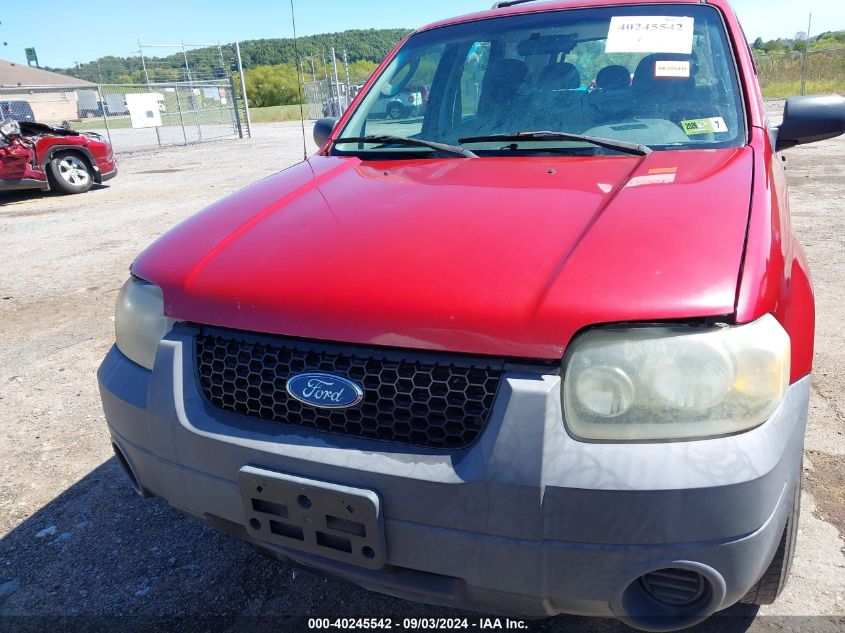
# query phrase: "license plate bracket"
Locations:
[[331, 520]]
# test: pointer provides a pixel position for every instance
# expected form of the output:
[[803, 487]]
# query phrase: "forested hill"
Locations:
[[370, 45], [361, 45]]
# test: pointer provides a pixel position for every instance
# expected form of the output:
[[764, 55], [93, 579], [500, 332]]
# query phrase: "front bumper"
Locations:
[[101, 176], [527, 521], [108, 175]]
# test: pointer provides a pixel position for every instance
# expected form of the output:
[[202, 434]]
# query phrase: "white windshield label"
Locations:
[[671, 69], [650, 34]]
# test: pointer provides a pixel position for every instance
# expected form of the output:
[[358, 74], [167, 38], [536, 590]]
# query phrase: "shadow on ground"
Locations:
[[102, 557], [23, 195], [27, 195]]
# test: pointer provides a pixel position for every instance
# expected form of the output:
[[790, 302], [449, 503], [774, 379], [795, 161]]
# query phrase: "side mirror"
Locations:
[[322, 129], [810, 119]]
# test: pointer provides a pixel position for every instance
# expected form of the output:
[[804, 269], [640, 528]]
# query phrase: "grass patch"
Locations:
[[786, 89], [274, 114], [215, 116], [780, 75]]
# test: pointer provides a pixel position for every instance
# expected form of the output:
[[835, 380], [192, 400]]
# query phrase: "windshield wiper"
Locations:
[[387, 139], [609, 143]]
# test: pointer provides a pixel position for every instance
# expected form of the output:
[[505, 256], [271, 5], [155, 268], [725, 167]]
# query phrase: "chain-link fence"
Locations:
[[133, 116], [325, 98], [785, 74]]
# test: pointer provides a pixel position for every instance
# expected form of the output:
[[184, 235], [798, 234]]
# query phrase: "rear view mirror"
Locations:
[[323, 129], [547, 45], [401, 77], [810, 119]]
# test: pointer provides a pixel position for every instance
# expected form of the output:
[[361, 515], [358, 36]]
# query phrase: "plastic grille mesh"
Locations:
[[415, 401]]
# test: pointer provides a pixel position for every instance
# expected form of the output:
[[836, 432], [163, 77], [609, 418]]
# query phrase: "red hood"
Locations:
[[493, 256]]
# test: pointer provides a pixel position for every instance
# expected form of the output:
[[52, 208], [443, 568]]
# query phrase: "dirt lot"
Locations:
[[75, 539]]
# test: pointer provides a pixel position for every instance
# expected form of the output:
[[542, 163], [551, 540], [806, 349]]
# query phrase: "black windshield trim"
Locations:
[[387, 139], [544, 135]]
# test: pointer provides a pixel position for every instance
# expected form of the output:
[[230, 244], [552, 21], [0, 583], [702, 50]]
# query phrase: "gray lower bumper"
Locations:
[[24, 183], [527, 521], [108, 175]]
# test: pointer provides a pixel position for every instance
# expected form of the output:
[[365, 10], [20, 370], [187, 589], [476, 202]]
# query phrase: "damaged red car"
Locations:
[[39, 156]]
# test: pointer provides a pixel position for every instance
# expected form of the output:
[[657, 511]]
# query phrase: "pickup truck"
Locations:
[[541, 350]]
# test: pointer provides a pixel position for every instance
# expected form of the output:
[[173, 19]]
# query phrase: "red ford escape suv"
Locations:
[[535, 349]]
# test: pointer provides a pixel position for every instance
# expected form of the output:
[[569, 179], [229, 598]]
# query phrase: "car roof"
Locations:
[[539, 6]]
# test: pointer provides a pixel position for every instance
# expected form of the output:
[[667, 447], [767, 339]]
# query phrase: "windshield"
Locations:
[[658, 75]]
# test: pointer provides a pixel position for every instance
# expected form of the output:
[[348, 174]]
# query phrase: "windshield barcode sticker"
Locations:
[[713, 125], [650, 34]]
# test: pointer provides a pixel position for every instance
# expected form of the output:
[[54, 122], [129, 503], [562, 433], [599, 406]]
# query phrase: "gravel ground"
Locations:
[[75, 539]]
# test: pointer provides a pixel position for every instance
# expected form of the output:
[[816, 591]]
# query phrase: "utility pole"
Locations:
[[147, 79], [806, 59], [187, 68], [316, 88], [143, 64], [346, 68], [310, 59], [192, 97], [326, 82], [243, 89], [307, 88], [222, 61], [336, 83]]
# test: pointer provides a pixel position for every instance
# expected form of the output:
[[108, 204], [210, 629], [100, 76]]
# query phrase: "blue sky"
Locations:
[[62, 34]]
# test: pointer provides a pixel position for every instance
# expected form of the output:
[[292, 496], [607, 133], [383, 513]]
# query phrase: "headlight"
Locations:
[[139, 321], [675, 382]]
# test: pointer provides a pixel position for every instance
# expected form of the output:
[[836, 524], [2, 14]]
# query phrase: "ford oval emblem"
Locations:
[[324, 391]]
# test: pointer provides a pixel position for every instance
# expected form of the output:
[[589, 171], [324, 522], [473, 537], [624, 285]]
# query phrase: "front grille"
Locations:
[[417, 399]]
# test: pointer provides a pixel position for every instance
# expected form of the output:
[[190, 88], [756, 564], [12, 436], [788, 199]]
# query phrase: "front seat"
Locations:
[[609, 100], [557, 105], [559, 76], [670, 98], [615, 77], [503, 101]]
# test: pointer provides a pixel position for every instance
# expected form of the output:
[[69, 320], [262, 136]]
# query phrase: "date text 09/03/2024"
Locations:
[[418, 624]]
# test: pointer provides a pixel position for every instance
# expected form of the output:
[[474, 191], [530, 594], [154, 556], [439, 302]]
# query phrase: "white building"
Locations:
[[51, 96]]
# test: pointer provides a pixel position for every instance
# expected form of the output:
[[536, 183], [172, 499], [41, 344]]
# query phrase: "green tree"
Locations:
[[774, 46], [272, 85], [360, 71], [830, 39]]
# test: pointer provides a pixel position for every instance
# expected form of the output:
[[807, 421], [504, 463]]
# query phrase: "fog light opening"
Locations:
[[127, 470], [671, 597], [674, 587]]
